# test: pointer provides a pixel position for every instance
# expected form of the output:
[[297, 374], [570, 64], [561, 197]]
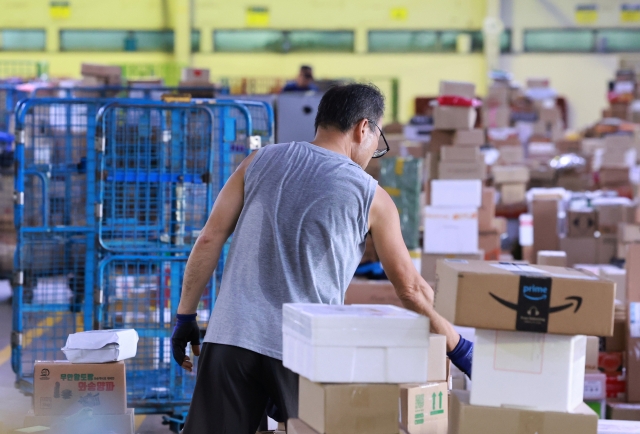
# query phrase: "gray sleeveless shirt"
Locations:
[[299, 239]]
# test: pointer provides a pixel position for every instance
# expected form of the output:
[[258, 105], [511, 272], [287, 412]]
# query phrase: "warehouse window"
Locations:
[[559, 40], [283, 41], [195, 41], [618, 40], [116, 40], [22, 40], [434, 41]]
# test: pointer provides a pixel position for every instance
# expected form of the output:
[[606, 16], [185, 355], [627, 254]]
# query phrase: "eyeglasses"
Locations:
[[380, 152]]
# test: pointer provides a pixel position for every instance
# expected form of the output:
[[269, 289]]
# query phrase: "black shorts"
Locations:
[[233, 389]]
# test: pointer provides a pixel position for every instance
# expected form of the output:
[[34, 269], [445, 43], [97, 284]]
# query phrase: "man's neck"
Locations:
[[333, 140]]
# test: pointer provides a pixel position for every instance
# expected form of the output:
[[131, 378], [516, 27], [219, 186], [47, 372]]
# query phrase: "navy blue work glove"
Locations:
[[185, 331]]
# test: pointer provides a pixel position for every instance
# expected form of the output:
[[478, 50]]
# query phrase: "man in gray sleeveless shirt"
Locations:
[[299, 213]]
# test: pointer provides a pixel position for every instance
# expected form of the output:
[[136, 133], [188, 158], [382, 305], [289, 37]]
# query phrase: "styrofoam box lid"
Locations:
[[96, 339], [356, 325]]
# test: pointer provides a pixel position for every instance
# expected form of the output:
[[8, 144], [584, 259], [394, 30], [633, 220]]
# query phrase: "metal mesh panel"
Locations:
[[155, 185], [53, 266], [143, 293]]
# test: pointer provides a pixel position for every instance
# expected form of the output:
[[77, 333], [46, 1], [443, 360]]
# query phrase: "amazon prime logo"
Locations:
[[535, 292]]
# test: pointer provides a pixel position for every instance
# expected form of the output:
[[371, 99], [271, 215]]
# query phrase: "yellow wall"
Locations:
[[581, 78]]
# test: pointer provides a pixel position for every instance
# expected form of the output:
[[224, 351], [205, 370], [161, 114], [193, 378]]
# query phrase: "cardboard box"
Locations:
[[440, 138], [513, 193], [95, 70], [511, 154], [628, 233], [63, 388], [510, 174], [461, 153], [581, 223], [503, 296], [430, 260], [450, 230], [623, 411], [633, 352], [617, 342], [470, 419], [496, 117], [349, 408], [458, 88], [469, 138], [498, 95], [487, 210], [100, 423], [555, 258], [611, 212], [551, 368], [437, 365], [632, 266], [296, 426], [549, 114], [456, 193], [607, 248], [489, 243], [592, 354], [614, 176], [580, 250], [619, 276], [462, 170], [569, 146], [355, 344], [196, 75], [454, 118], [363, 291], [545, 225], [595, 386], [424, 408]]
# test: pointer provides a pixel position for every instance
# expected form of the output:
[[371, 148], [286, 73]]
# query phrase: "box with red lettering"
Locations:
[[64, 388]]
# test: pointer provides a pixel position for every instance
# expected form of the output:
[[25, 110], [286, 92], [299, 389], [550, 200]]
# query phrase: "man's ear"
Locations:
[[360, 130]]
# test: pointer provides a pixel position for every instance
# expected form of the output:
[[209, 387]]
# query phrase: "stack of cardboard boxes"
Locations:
[[94, 75], [615, 160], [451, 223], [511, 183], [529, 351], [622, 93], [580, 243], [496, 110], [364, 369]]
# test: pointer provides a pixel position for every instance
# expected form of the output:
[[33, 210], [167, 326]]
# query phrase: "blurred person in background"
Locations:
[[303, 82]]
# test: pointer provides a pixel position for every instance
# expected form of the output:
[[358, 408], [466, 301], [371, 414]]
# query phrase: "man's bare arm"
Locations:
[[414, 292], [205, 253]]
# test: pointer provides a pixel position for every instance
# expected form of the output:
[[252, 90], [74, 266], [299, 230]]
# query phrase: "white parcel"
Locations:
[[538, 371], [101, 346], [355, 343]]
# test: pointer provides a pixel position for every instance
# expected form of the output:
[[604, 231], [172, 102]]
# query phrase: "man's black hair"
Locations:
[[343, 106]]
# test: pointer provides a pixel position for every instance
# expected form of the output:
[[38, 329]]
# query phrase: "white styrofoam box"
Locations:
[[101, 346], [532, 370], [437, 364], [355, 343], [450, 230], [618, 427], [456, 192]]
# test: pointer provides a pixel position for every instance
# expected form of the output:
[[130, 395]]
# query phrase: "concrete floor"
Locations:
[[13, 404]]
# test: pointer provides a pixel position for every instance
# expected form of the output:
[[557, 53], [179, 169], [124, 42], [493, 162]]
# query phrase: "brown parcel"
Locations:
[[582, 250], [607, 246], [623, 411], [349, 408], [487, 210], [513, 193], [555, 258], [462, 170], [458, 88], [61, 387], [496, 117], [632, 266], [362, 291], [545, 225], [472, 419], [429, 261], [509, 296], [424, 408], [454, 118], [510, 174], [473, 138], [489, 243], [460, 153], [633, 352], [100, 424], [628, 233], [581, 223]]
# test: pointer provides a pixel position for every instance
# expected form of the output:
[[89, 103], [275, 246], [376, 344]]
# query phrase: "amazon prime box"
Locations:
[[550, 368], [510, 296]]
